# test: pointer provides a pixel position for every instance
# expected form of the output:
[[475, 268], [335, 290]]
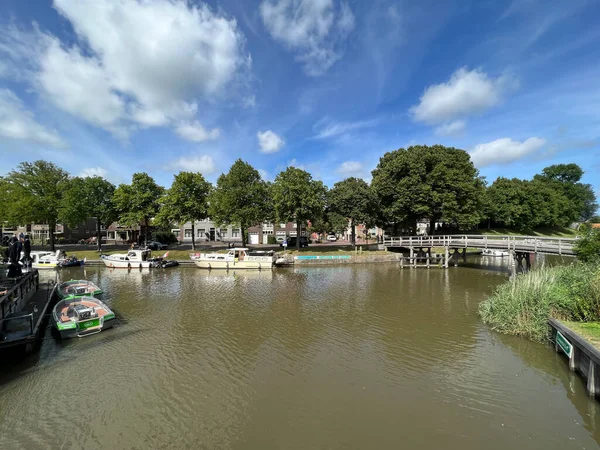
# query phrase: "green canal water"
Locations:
[[336, 357]]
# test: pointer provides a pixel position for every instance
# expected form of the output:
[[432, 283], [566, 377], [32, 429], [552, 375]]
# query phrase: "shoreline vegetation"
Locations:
[[568, 293]]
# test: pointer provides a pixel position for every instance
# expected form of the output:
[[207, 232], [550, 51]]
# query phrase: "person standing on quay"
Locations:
[[27, 251]]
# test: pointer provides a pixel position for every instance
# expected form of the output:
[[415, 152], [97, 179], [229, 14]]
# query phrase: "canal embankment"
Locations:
[[523, 307]]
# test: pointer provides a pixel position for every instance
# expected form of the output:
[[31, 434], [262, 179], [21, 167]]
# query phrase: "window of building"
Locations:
[[281, 233], [201, 232], [110, 235], [282, 225], [235, 232], [295, 225], [187, 233], [223, 234]]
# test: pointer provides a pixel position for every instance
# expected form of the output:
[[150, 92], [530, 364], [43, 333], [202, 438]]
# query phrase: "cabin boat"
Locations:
[[137, 259], [133, 259], [46, 260], [235, 258], [82, 316], [492, 252], [78, 288]]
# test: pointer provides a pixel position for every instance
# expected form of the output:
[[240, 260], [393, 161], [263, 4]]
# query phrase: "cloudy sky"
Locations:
[[113, 87]]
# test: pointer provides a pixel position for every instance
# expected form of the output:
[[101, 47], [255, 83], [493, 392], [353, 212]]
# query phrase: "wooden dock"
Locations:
[[582, 356], [24, 308]]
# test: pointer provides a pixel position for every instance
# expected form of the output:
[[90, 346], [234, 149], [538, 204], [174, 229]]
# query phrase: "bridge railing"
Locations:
[[498, 242]]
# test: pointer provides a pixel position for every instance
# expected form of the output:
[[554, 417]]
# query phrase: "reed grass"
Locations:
[[522, 307]]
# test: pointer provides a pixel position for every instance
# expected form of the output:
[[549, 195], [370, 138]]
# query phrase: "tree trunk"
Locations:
[[432, 222], [98, 237], [51, 228], [298, 234], [193, 238], [146, 220], [243, 235], [353, 230]]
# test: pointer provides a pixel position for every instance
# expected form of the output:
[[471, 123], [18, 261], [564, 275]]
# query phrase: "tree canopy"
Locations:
[[33, 193], [240, 197], [185, 201], [139, 201], [428, 182], [298, 198], [354, 200], [579, 202], [86, 198]]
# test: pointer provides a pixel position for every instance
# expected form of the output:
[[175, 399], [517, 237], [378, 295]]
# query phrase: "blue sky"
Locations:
[[112, 87]]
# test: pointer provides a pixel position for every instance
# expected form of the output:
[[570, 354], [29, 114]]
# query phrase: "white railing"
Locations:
[[534, 244]]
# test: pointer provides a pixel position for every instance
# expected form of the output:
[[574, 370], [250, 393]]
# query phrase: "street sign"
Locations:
[[564, 344]]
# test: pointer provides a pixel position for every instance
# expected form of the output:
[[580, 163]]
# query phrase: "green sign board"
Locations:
[[563, 343], [88, 324]]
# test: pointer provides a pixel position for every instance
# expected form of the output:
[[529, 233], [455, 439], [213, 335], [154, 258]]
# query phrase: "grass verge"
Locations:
[[523, 307], [590, 331]]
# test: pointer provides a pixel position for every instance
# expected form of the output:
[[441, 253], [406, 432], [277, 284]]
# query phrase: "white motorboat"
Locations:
[[137, 259], [492, 252], [133, 259], [46, 260], [235, 258]]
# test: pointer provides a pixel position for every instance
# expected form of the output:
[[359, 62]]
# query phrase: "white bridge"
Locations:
[[516, 244]]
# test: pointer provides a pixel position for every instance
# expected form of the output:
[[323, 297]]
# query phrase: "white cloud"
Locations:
[[467, 92], [80, 86], [16, 122], [146, 62], [204, 164], [350, 168], [332, 129], [451, 128], [315, 30], [93, 172], [195, 132], [505, 150], [269, 142]]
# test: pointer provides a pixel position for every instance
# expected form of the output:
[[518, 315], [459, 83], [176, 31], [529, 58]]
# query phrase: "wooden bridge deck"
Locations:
[[529, 244]]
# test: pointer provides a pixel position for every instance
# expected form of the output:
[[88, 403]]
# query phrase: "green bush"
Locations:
[[271, 240], [523, 306], [165, 237], [587, 247]]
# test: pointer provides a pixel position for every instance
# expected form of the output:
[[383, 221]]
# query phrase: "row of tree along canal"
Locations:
[[437, 183]]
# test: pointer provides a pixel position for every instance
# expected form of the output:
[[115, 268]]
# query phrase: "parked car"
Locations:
[[331, 238], [291, 242], [154, 245]]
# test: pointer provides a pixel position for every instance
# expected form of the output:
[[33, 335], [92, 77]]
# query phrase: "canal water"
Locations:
[[336, 357]]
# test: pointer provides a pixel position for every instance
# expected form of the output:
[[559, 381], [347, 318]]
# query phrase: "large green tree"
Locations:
[[90, 197], [137, 203], [240, 198], [428, 182], [185, 201], [298, 198], [353, 199], [33, 193], [565, 178]]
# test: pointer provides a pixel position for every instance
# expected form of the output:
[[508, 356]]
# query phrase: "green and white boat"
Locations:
[[81, 316], [78, 288]]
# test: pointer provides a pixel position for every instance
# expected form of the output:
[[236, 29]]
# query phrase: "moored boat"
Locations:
[[133, 259], [72, 261], [46, 260], [235, 258], [78, 288], [78, 317]]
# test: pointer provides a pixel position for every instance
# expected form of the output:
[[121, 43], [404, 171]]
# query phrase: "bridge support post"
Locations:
[[446, 257]]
